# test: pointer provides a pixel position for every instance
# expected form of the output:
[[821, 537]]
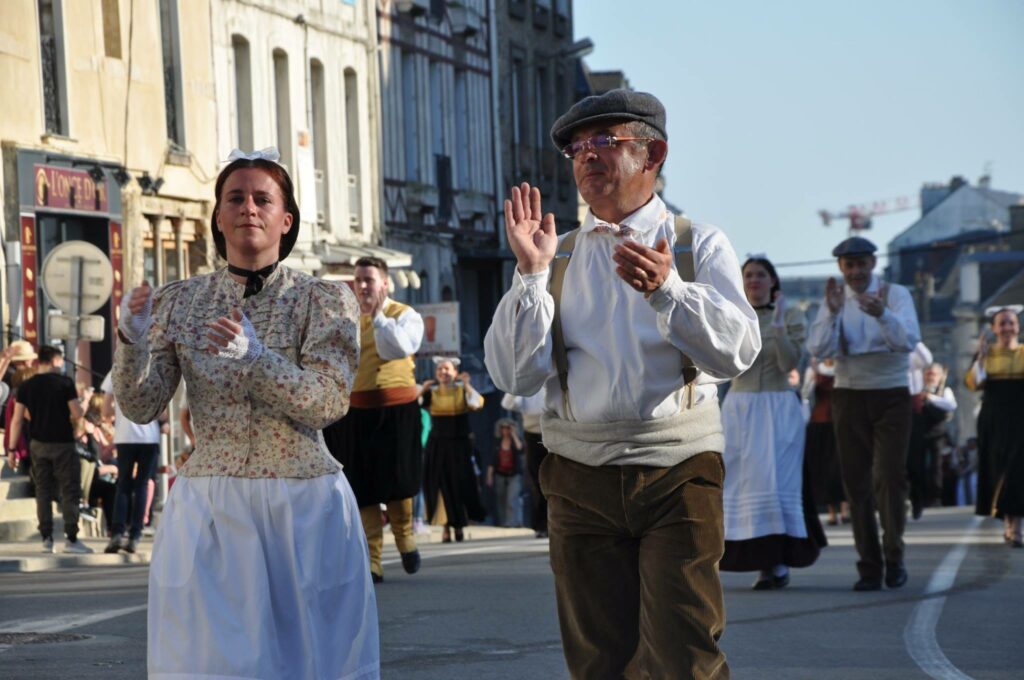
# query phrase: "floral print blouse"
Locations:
[[257, 420]]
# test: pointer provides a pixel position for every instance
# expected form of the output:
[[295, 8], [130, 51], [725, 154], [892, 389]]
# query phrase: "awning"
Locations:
[[346, 254]]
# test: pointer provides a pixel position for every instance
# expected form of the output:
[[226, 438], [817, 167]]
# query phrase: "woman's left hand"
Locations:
[[779, 315], [464, 377], [234, 338]]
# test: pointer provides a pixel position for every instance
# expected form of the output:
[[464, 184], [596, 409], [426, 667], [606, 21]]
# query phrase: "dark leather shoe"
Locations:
[[377, 578], [866, 583], [459, 536], [411, 561], [895, 574], [763, 583], [780, 581]]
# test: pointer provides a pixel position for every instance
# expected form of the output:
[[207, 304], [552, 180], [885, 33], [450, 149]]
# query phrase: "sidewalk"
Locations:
[[27, 556]]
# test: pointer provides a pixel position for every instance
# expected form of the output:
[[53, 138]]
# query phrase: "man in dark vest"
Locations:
[[628, 344], [378, 441]]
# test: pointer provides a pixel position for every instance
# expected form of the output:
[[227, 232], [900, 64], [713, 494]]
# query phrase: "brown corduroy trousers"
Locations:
[[635, 553], [872, 438]]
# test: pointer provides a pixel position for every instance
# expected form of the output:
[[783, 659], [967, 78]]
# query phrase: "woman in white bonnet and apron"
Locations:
[[260, 564]]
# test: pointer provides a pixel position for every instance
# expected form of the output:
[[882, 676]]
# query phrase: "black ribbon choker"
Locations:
[[253, 279]]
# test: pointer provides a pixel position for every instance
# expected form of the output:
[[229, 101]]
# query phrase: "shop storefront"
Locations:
[[61, 198]]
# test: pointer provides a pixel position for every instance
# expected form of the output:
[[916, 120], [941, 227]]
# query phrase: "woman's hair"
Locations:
[[21, 375], [768, 267], [504, 422], [283, 181], [94, 411]]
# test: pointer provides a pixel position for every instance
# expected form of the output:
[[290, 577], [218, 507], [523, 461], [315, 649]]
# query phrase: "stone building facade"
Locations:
[[109, 142]]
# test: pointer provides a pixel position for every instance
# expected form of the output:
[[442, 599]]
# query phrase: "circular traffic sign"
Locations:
[[62, 281]]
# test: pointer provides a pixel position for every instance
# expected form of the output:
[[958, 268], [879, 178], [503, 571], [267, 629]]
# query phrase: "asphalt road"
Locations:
[[485, 609]]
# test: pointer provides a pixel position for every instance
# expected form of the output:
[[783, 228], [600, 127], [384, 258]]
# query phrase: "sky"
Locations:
[[777, 109]]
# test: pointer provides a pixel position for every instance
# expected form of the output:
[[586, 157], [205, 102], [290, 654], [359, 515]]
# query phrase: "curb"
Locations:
[[25, 556]]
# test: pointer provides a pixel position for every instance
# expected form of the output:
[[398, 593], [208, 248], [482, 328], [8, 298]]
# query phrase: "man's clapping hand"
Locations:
[[834, 295], [531, 234]]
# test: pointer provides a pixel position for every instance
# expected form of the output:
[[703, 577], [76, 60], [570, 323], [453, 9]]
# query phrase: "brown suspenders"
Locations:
[[683, 252]]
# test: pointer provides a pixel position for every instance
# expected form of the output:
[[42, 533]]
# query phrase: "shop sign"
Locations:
[[67, 188]]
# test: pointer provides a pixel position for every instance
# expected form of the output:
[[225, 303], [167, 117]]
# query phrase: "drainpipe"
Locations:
[[499, 190]]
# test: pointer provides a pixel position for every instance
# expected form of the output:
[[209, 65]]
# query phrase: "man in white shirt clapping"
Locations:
[[870, 328], [628, 344]]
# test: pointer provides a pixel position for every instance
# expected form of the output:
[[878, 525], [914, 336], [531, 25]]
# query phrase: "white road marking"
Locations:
[[919, 634], [63, 622]]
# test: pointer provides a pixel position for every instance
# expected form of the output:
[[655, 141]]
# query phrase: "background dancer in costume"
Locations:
[[870, 328], [768, 525], [378, 442], [998, 370], [821, 461], [259, 568], [450, 482]]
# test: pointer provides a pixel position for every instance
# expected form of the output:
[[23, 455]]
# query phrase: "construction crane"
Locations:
[[859, 216]]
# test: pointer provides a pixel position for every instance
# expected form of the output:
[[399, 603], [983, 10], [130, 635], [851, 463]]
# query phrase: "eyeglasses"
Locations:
[[598, 142]]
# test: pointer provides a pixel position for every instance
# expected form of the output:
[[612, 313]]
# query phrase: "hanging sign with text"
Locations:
[[57, 187]]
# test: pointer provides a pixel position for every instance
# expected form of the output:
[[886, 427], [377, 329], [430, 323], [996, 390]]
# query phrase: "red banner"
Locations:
[[29, 274], [117, 263], [57, 187]]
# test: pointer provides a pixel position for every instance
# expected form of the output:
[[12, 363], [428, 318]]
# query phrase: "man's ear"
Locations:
[[657, 152]]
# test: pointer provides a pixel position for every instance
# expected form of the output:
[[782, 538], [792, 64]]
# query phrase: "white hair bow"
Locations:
[[268, 154], [455, 361], [992, 311]]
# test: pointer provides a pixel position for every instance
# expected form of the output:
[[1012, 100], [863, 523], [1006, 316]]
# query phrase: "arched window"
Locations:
[[282, 99], [243, 92], [352, 136]]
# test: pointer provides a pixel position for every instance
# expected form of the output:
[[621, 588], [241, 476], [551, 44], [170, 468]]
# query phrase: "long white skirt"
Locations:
[[764, 455], [262, 578]]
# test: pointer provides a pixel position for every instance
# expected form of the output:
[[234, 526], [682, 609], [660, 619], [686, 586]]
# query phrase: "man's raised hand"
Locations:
[[834, 295], [531, 233]]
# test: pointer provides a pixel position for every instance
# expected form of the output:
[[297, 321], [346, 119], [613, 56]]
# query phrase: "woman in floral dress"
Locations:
[[260, 565]]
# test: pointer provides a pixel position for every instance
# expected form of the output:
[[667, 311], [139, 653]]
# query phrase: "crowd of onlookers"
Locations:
[[88, 467]]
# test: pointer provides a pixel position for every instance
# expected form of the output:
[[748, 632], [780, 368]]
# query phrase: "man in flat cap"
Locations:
[[870, 328], [628, 341]]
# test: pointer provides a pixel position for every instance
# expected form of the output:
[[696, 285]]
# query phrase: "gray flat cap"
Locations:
[[614, 105], [855, 245]]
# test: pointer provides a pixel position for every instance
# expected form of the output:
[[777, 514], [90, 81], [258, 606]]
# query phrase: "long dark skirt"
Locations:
[[765, 552], [821, 463], [1001, 449], [381, 451], [450, 473]]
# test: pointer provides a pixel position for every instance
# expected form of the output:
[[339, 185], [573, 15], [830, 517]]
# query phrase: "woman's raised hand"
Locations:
[[531, 233], [136, 313]]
